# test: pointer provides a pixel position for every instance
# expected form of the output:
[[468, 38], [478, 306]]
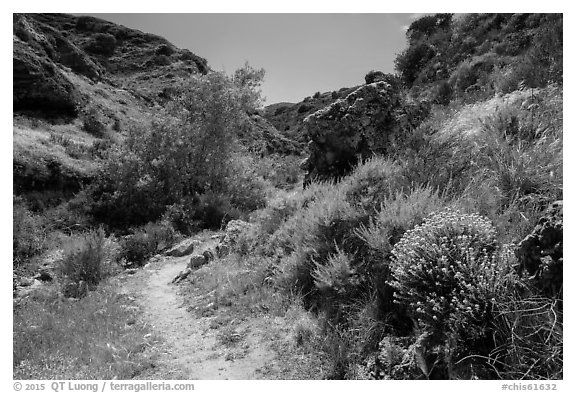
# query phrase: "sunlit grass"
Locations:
[[97, 337]]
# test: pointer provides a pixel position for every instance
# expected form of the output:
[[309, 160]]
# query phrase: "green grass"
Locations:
[[97, 337]]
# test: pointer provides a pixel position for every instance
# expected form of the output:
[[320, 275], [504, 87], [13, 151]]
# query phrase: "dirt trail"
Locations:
[[190, 349]]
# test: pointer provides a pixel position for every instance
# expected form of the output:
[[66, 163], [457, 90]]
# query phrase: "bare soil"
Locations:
[[192, 347]]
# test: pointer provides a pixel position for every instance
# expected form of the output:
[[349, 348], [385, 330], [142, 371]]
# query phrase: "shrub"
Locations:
[[374, 76], [92, 123], [447, 272], [101, 44], [146, 241], [464, 77], [85, 23], [444, 93], [214, 210], [276, 213], [337, 282], [372, 182], [395, 359], [28, 237], [178, 215], [426, 149], [100, 147], [245, 187], [165, 50], [189, 156], [411, 62], [398, 213], [69, 217], [280, 171], [438, 259], [161, 60], [85, 257], [313, 234]]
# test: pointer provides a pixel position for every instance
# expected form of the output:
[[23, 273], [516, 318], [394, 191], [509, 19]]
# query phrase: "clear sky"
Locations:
[[301, 53]]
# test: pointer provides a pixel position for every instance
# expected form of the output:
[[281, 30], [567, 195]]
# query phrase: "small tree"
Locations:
[[249, 79], [188, 152]]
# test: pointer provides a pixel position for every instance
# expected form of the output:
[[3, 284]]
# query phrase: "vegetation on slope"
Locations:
[[479, 54], [415, 264]]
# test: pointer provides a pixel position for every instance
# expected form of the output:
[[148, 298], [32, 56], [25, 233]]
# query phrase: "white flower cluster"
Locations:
[[444, 270]]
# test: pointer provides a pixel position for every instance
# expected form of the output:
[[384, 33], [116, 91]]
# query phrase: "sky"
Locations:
[[301, 53]]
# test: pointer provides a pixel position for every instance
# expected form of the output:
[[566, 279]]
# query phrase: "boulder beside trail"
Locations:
[[196, 261], [209, 255], [186, 247], [182, 275]]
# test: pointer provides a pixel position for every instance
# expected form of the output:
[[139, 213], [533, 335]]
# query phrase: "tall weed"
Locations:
[[85, 258]]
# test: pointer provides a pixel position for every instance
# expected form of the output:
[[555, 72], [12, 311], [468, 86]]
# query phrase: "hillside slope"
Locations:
[[81, 82]]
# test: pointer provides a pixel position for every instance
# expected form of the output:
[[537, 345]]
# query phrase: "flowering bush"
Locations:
[[445, 272]]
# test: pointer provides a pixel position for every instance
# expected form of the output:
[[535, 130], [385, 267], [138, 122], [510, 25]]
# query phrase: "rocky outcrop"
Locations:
[[540, 254], [348, 128], [288, 117], [367, 121]]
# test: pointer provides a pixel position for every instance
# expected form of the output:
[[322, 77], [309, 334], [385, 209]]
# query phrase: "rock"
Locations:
[[209, 255], [365, 122], [182, 275], [155, 258], [43, 275], [540, 254], [196, 261], [234, 229], [184, 248], [222, 250]]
